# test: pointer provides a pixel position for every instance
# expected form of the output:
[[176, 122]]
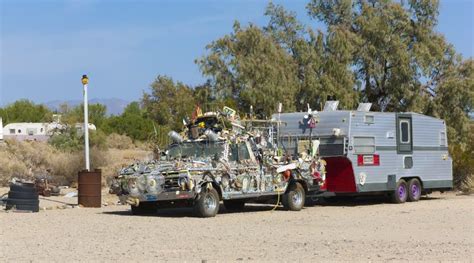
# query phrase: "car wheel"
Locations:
[[145, 208], [234, 205], [22, 195], [400, 194], [23, 204], [25, 187], [207, 203], [294, 199], [414, 190]]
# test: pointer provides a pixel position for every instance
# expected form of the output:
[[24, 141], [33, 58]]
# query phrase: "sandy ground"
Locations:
[[438, 228]]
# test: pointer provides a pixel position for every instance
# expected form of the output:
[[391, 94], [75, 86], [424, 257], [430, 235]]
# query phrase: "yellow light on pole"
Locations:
[[85, 80]]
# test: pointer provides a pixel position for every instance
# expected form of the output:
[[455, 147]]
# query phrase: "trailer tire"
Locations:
[[24, 187], [234, 205], [414, 190], [145, 208], [32, 208], [400, 194], [207, 203], [294, 199], [22, 195], [23, 204]]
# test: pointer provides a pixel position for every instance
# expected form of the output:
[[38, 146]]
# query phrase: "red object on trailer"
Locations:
[[368, 160], [340, 175]]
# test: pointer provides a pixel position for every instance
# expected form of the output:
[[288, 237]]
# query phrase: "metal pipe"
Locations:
[[85, 82]]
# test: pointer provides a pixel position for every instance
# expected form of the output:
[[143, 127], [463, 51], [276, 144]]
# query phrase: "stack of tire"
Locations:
[[23, 196]]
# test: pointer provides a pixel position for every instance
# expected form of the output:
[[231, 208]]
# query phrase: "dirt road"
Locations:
[[437, 228]]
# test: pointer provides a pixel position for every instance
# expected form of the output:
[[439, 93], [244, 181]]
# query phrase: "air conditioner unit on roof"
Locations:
[[364, 107], [331, 105]]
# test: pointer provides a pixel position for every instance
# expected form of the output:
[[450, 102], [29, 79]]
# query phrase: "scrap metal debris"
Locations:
[[239, 157]]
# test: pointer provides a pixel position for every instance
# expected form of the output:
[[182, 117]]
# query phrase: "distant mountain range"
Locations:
[[114, 106]]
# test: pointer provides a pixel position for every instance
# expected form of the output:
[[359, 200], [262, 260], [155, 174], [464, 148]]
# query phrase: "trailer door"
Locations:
[[404, 134]]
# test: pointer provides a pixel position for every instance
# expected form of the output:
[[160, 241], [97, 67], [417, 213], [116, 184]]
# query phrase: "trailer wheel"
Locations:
[[23, 204], [294, 199], [207, 203], [145, 208], [400, 194], [414, 190], [24, 187], [234, 205], [22, 195]]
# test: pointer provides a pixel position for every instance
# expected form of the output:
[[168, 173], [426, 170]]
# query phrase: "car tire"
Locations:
[[294, 199], [234, 205], [32, 208], [207, 203], [400, 194], [414, 190], [23, 204], [22, 195], [145, 208], [23, 188]]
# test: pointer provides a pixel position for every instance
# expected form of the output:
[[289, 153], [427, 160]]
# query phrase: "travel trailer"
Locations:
[[404, 154]]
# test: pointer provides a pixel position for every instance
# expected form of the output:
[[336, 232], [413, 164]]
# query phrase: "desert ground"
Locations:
[[437, 228]]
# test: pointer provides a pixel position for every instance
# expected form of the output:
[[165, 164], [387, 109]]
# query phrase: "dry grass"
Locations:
[[118, 141], [29, 159]]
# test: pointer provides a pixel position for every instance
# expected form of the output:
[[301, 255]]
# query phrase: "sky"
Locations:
[[47, 45]]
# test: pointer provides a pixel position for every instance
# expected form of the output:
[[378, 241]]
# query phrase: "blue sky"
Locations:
[[47, 45]]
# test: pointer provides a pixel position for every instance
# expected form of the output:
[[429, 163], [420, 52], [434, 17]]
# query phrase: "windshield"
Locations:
[[196, 150]]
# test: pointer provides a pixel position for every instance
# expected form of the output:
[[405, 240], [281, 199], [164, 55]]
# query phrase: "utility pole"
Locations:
[[85, 82]]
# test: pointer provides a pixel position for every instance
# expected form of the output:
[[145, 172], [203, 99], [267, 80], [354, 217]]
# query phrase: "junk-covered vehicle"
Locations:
[[217, 159]]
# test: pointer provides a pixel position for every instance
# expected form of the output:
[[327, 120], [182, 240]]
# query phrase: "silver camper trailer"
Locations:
[[403, 154]]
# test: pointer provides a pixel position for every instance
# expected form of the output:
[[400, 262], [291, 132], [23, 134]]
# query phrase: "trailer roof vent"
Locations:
[[364, 107], [331, 105]]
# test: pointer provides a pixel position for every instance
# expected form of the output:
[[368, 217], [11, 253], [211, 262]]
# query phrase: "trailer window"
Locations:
[[12, 131], [369, 118], [364, 145], [405, 131], [31, 131], [442, 139]]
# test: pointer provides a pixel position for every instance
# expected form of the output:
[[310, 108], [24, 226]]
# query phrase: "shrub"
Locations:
[[28, 159], [118, 141]]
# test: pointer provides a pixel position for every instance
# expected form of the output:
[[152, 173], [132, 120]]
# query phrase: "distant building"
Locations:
[[30, 131], [1, 129]]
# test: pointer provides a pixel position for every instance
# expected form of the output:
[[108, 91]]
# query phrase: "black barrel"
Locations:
[[89, 188], [23, 196]]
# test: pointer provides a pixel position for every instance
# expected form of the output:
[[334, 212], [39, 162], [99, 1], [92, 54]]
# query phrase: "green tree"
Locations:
[[394, 47], [455, 99], [323, 62], [97, 114], [25, 111], [169, 103], [132, 122], [251, 68]]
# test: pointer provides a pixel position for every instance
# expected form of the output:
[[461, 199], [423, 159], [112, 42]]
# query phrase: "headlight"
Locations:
[[182, 182]]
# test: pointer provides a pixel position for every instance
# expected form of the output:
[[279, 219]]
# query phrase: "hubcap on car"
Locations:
[[297, 198], [210, 202]]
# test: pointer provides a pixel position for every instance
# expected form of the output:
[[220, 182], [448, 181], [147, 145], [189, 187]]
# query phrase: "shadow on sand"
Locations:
[[341, 201], [188, 211]]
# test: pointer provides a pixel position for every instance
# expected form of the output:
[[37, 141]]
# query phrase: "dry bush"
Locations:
[[10, 166], [117, 159], [118, 141], [29, 159]]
